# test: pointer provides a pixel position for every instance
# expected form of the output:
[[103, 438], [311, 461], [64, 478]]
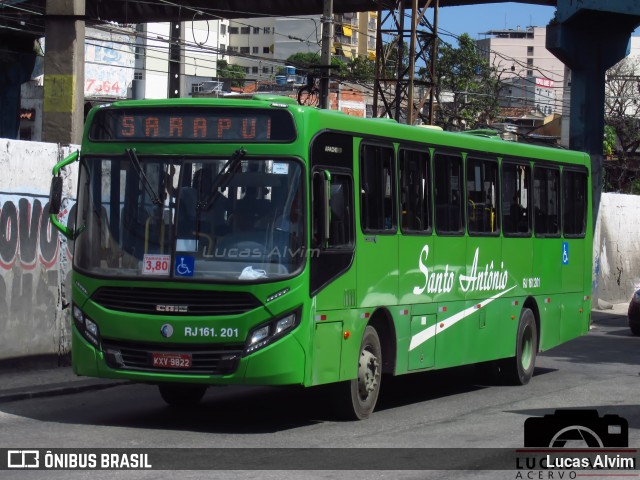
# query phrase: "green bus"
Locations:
[[259, 242]]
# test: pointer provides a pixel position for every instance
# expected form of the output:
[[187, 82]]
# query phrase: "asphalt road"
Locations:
[[440, 409]]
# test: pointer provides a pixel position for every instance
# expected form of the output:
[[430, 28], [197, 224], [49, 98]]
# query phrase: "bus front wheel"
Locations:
[[356, 399], [182, 395], [518, 370]]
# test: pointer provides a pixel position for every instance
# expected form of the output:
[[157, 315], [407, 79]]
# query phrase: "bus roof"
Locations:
[[478, 141]]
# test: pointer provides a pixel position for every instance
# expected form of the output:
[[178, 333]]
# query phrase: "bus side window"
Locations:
[[482, 182], [377, 192], [546, 201], [341, 206], [574, 197], [340, 226], [516, 208], [415, 201], [448, 194]]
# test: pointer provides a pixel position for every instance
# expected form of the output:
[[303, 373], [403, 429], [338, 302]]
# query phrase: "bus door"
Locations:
[[517, 229], [377, 243], [332, 253], [416, 255], [483, 278], [545, 283], [450, 259]]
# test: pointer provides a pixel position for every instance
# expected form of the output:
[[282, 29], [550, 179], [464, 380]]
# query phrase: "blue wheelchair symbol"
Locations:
[[185, 265], [565, 253]]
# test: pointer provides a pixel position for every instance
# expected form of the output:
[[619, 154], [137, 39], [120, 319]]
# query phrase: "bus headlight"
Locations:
[[87, 327], [267, 333]]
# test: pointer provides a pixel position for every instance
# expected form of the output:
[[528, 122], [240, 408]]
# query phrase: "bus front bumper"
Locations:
[[281, 363]]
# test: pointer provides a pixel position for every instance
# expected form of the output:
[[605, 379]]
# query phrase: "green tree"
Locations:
[[622, 121], [362, 69], [467, 88], [309, 61], [234, 72]]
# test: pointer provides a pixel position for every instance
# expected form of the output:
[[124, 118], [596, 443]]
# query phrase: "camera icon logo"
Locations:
[[23, 459], [576, 429]]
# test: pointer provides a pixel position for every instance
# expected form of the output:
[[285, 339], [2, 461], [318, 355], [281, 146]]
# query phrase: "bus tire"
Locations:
[[356, 399], [518, 370], [182, 395]]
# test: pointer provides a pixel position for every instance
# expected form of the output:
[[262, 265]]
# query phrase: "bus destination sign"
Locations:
[[192, 125]]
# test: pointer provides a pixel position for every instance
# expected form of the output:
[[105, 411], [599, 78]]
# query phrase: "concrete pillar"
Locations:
[[590, 42], [63, 119]]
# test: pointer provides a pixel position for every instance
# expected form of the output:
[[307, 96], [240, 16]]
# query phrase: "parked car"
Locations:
[[634, 313]]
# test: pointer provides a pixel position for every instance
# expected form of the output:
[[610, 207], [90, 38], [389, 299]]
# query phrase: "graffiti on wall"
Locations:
[[31, 273]]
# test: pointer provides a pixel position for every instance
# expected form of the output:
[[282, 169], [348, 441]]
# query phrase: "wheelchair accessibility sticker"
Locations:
[[185, 265], [565, 253]]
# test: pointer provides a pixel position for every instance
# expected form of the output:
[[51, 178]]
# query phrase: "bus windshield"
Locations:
[[218, 219]]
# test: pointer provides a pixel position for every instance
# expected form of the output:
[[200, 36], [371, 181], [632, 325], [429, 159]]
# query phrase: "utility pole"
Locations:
[[325, 59], [175, 60]]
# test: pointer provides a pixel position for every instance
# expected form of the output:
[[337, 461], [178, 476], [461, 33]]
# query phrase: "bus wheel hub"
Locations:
[[367, 373]]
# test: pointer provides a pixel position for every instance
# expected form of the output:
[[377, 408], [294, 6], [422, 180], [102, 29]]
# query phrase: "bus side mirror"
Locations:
[[55, 195]]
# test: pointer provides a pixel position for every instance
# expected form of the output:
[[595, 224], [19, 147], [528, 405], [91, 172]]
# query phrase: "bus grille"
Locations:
[[205, 359], [156, 301]]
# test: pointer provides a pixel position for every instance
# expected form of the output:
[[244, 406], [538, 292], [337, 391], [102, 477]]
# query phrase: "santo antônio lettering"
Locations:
[[194, 127]]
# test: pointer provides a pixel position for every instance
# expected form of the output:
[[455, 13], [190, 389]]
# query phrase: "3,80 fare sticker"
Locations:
[[156, 264]]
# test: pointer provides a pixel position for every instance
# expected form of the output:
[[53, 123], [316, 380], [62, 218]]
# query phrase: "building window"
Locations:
[[247, 69], [244, 49], [254, 50], [265, 70], [267, 30], [254, 70], [244, 30], [529, 62], [256, 30], [529, 73], [232, 49], [26, 133], [266, 50], [529, 51], [233, 30], [222, 48], [223, 29]]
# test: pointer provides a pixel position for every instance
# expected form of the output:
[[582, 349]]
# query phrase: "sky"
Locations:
[[477, 19]]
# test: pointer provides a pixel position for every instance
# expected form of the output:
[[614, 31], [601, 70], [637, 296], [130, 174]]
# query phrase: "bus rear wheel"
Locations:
[[182, 395], [356, 399], [518, 370]]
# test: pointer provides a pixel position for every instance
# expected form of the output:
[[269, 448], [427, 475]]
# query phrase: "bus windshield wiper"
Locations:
[[133, 157], [223, 178]]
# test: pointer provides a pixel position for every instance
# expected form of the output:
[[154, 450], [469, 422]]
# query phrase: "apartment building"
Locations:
[[260, 45], [534, 76], [204, 43]]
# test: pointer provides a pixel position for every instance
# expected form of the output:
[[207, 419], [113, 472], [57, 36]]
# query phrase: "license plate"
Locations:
[[171, 360]]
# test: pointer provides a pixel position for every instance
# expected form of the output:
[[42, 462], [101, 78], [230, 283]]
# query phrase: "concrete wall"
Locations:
[[35, 260], [34, 264], [616, 248]]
